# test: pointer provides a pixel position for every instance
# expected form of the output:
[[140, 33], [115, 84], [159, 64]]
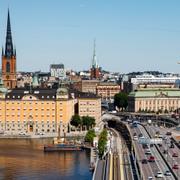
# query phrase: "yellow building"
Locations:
[[35, 111], [90, 105]]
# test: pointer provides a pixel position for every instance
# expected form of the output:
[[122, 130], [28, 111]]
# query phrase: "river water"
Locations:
[[24, 159]]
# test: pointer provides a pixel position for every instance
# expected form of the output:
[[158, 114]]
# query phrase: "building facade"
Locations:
[[154, 100], [58, 71], [88, 86], [90, 106], [9, 60], [35, 111], [107, 91]]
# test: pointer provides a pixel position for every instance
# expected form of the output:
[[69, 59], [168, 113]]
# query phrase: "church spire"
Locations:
[[94, 60], [9, 44]]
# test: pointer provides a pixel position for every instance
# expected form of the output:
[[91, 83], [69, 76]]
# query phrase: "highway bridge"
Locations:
[[146, 116]]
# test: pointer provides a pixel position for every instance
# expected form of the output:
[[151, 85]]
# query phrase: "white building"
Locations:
[[58, 71], [148, 79]]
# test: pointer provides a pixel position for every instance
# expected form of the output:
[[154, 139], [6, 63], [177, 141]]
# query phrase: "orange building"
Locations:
[[35, 111], [9, 60]]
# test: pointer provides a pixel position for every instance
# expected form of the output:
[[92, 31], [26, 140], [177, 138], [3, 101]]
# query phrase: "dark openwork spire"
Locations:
[[9, 44]]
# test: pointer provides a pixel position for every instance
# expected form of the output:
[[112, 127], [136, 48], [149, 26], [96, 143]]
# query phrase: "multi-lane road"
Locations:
[[148, 169], [169, 152]]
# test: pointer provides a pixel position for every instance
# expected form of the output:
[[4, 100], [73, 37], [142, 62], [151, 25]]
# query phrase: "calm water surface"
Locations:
[[24, 159]]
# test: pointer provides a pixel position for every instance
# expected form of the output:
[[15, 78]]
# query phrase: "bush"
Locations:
[[90, 136]]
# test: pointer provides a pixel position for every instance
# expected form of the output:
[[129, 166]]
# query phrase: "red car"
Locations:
[[175, 155], [175, 166], [151, 159]]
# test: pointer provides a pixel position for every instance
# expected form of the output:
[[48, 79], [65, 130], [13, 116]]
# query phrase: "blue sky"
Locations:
[[131, 35]]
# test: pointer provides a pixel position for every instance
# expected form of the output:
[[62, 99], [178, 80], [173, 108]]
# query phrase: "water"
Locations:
[[24, 159]]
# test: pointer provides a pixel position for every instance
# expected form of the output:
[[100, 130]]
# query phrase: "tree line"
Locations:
[[84, 122]]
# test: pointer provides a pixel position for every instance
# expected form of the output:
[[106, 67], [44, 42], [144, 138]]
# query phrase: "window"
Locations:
[[8, 67]]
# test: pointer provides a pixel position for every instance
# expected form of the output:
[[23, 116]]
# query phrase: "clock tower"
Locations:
[[9, 60]]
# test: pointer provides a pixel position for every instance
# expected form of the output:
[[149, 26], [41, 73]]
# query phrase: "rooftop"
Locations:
[[156, 93]]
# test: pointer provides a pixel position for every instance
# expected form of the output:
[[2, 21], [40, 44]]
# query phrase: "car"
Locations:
[[175, 154], [151, 145], [175, 166], [148, 152], [167, 173], [144, 161], [168, 133], [164, 138], [165, 151], [172, 145], [160, 136], [140, 135], [113, 111], [150, 178], [151, 159], [159, 174], [135, 138], [145, 146]]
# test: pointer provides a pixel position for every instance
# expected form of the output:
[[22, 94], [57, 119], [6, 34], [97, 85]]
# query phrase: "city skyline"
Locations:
[[130, 36]]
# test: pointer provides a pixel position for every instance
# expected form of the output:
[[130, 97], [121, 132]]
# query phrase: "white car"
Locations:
[[150, 178], [135, 138], [159, 174], [148, 152], [167, 173]]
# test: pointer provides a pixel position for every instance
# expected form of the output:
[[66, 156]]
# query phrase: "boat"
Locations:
[[60, 144], [62, 147]]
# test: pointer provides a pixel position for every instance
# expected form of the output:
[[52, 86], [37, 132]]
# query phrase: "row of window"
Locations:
[[45, 103], [18, 108], [19, 125], [18, 97], [160, 102]]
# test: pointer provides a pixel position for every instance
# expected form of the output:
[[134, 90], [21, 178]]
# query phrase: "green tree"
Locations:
[[90, 136], [76, 120], [102, 143], [121, 100], [88, 121]]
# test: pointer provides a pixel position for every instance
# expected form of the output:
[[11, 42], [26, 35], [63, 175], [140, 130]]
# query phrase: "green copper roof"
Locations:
[[156, 93]]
